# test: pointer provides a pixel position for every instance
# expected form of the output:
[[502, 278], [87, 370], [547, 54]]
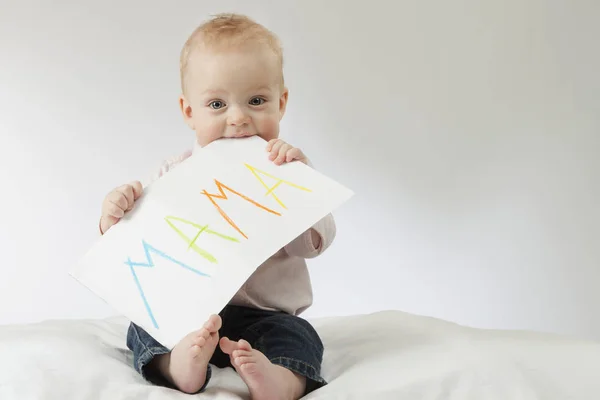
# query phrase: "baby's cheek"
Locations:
[[269, 128], [207, 133]]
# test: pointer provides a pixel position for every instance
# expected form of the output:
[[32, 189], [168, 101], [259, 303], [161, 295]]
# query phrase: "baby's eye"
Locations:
[[257, 101], [216, 104]]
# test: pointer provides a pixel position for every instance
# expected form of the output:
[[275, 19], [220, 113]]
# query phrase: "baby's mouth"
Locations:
[[242, 134]]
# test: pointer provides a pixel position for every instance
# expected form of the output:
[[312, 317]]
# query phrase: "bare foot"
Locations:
[[265, 380], [186, 365]]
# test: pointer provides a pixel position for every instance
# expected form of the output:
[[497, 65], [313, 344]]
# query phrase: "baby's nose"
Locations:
[[237, 116]]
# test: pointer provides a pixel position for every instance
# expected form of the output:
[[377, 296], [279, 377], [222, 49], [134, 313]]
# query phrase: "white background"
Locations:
[[469, 130]]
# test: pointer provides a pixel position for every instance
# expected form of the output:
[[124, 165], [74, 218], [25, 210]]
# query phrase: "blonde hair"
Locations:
[[227, 31]]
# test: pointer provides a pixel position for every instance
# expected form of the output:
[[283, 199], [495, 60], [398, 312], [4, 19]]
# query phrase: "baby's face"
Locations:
[[233, 94]]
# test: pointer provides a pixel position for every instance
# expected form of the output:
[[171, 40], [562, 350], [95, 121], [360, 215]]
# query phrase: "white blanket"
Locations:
[[387, 355]]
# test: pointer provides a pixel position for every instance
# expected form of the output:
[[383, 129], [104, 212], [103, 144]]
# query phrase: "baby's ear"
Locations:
[[283, 102], [186, 111]]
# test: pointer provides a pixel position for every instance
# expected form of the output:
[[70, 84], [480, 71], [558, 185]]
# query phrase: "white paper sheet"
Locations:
[[200, 231]]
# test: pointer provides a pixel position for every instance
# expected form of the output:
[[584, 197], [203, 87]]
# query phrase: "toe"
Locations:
[[204, 333], [217, 321], [244, 345], [249, 368], [200, 341], [192, 336], [242, 353], [213, 324], [239, 361], [195, 351], [227, 346]]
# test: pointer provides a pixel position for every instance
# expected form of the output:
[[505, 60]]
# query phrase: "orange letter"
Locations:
[[223, 196]]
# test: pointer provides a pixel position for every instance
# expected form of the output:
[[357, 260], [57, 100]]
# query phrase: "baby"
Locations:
[[233, 87]]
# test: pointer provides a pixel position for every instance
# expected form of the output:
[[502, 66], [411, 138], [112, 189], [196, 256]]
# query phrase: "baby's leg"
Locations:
[[286, 363], [186, 366]]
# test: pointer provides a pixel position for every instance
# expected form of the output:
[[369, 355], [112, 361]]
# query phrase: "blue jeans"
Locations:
[[284, 339]]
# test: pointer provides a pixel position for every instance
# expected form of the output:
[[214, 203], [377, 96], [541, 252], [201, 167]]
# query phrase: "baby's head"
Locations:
[[232, 80]]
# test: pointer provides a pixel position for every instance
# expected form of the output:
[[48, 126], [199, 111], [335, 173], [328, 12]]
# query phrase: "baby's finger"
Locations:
[[282, 153], [118, 199], [270, 144], [108, 222], [127, 191], [113, 210], [275, 149], [138, 189], [295, 154]]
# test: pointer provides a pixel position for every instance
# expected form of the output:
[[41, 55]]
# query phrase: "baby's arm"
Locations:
[[315, 240]]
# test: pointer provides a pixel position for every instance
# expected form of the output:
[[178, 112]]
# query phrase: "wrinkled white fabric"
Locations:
[[386, 355]]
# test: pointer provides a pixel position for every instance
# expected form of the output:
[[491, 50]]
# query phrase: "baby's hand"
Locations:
[[117, 203], [281, 152]]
